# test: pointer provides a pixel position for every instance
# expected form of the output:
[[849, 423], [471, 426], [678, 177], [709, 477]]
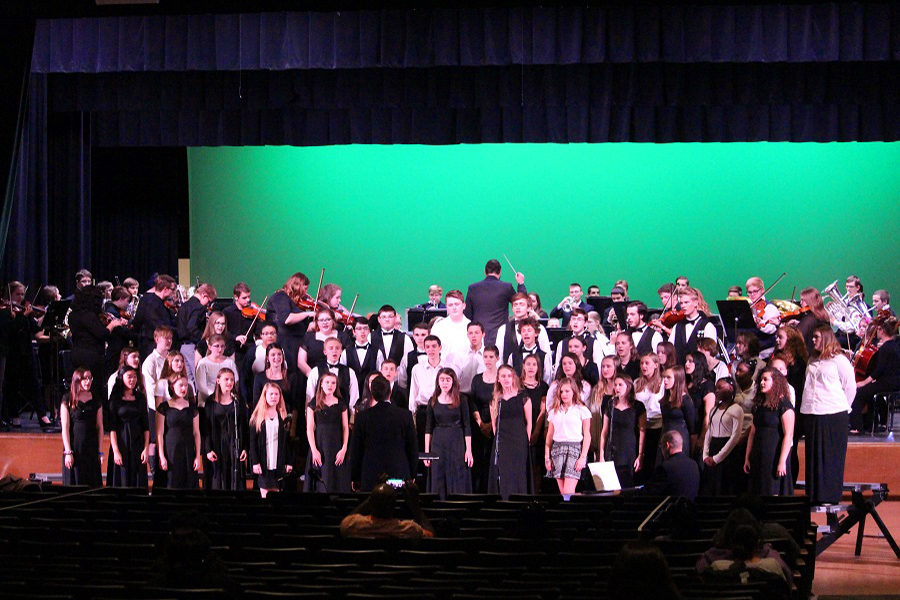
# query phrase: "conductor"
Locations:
[[383, 442], [487, 301]]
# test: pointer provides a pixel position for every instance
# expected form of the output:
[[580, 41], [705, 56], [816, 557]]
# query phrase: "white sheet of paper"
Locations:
[[604, 476]]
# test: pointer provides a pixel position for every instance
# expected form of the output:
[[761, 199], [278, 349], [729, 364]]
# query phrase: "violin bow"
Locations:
[[352, 306], [253, 322], [318, 290]]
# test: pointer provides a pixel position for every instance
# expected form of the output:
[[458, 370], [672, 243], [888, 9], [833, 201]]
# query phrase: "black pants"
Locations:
[[865, 399]]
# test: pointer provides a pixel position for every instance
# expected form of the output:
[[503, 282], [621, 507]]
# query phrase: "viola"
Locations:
[[252, 310]]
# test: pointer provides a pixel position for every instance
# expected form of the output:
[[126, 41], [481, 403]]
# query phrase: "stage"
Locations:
[[869, 458]]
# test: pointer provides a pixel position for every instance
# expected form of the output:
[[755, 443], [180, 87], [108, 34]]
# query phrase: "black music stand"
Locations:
[[599, 303], [619, 309], [736, 316], [418, 314], [56, 314]]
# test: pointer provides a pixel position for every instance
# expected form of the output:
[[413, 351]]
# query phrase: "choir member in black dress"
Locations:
[[449, 436], [677, 407], [288, 307], [276, 372], [311, 353], [568, 437], [623, 435], [128, 357], [90, 331], [701, 386], [152, 313], [629, 362], [270, 451], [590, 371], [129, 433], [178, 436], [225, 436], [480, 407], [328, 434], [534, 386], [511, 422], [81, 415], [827, 397], [771, 436], [568, 367], [722, 455], [600, 394]]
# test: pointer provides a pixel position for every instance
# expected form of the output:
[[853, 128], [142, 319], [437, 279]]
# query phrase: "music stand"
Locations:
[[735, 316], [619, 309], [599, 303], [56, 314], [418, 314]]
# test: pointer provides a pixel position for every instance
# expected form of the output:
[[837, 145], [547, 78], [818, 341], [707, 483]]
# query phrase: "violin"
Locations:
[[671, 317], [252, 310], [18, 309], [795, 314], [171, 305]]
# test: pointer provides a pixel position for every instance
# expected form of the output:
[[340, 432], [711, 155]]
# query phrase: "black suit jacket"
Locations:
[[487, 301], [383, 441], [678, 475]]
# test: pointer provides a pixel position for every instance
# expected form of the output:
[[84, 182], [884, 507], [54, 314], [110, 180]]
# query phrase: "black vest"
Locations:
[[398, 344], [684, 346], [343, 377], [645, 344], [368, 365], [510, 341], [518, 357]]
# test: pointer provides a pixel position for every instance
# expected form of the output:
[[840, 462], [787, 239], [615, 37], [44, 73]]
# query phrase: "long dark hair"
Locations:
[[701, 370], [454, 388]]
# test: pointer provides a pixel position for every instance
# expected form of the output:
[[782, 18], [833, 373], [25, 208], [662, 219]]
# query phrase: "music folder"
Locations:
[[604, 476]]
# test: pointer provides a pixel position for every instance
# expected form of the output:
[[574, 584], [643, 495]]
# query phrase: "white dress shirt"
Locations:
[[551, 393], [401, 369], [312, 380], [468, 364], [655, 340], [650, 400], [709, 330], [568, 424], [207, 371], [830, 386], [150, 371], [452, 335], [424, 380]]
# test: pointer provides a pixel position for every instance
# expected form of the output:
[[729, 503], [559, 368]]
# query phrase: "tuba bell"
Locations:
[[844, 317]]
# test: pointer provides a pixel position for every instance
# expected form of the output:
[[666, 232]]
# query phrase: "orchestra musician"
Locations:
[[693, 327], [811, 299], [618, 294], [239, 324], [294, 309], [884, 379], [120, 337], [152, 313], [646, 339], [765, 314], [191, 323], [435, 293], [565, 307], [881, 303]]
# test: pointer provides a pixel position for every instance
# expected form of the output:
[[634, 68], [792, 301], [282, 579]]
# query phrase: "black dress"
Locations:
[[85, 445], [128, 418], [681, 419], [698, 392], [764, 479], [624, 437], [510, 471], [449, 427], [315, 349], [226, 435], [536, 450], [329, 439], [480, 402], [294, 390], [179, 445]]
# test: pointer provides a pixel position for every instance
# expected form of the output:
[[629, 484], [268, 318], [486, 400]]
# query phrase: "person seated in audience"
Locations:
[[641, 573], [374, 517]]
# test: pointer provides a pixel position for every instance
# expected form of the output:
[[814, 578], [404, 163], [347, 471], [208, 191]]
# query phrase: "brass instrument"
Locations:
[[845, 317]]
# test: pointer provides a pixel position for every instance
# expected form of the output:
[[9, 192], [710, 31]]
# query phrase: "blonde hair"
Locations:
[[557, 397], [218, 395], [653, 383], [259, 413], [830, 345]]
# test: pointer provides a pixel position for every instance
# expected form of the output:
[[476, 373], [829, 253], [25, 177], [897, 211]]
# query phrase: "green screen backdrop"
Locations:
[[388, 221]]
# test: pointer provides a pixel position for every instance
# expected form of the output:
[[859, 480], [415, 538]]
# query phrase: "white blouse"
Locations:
[[650, 400], [272, 444], [567, 424], [830, 386]]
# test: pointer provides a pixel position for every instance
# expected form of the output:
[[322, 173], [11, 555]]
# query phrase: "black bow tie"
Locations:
[[331, 366], [527, 351], [363, 347], [694, 320], [387, 333]]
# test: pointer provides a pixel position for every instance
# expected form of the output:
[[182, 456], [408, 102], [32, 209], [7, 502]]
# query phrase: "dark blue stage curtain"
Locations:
[[658, 73], [434, 37]]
